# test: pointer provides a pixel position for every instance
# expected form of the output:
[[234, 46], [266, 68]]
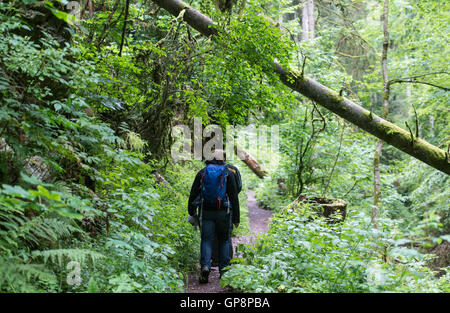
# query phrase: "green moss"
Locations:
[[368, 114], [335, 97], [185, 6], [294, 72], [434, 151], [393, 130], [403, 137]]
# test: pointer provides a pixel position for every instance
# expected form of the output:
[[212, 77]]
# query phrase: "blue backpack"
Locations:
[[214, 186]]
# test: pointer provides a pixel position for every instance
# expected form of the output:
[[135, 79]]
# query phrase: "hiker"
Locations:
[[234, 171], [218, 211]]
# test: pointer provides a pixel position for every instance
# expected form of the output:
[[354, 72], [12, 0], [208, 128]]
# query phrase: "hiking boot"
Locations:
[[221, 274], [204, 274]]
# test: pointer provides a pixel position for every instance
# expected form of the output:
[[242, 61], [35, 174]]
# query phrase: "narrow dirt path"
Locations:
[[259, 223]]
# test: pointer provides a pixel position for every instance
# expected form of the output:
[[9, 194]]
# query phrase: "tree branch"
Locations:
[[127, 5], [350, 111], [335, 161], [413, 81]]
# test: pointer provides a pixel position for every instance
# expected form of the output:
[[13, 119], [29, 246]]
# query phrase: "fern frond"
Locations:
[[20, 277], [63, 187], [46, 228], [60, 255], [11, 219]]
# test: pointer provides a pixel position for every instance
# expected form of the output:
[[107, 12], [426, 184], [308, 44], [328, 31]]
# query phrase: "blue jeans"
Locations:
[[215, 223]]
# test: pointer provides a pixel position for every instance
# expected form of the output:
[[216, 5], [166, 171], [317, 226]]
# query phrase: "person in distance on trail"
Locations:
[[215, 192]]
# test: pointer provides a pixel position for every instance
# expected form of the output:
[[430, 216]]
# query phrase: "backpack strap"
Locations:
[[200, 217]]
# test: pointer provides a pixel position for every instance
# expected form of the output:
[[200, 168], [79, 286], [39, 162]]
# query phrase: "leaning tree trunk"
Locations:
[[331, 100], [250, 162]]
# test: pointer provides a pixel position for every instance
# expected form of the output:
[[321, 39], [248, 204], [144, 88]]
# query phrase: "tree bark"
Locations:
[[305, 24], [384, 113], [250, 162], [160, 179], [331, 100], [431, 118], [308, 20], [376, 182], [124, 30]]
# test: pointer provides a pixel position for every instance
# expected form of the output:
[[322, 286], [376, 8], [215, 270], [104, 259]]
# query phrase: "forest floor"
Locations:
[[259, 223]]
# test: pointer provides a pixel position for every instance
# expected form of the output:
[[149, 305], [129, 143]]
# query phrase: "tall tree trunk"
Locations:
[[408, 91], [376, 182], [124, 29], [305, 24], [331, 100], [384, 113], [308, 20], [431, 118]]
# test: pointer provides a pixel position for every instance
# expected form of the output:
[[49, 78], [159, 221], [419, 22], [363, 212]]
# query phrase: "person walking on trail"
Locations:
[[236, 175], [215, 193]]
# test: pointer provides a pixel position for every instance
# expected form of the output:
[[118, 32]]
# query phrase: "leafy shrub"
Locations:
[[269, 194], [95, 203], [33, 223], [298, 255]]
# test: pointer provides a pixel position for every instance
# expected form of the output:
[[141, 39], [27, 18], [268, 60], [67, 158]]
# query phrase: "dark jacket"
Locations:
[[232, 192], [237, 176]]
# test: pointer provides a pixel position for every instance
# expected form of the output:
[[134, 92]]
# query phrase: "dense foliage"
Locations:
[[73, 190], [298, 255], [87, 106]]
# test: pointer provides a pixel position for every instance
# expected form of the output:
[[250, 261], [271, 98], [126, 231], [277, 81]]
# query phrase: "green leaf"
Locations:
[[16, 191], [69, 212]]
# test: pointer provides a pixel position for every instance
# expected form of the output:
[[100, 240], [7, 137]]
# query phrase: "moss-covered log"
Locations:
[[355, 114], [366, 120]]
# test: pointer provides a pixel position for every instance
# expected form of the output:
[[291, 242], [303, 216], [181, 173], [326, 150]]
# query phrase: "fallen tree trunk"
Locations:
[[373, 124], [334, 210], [160, 179], [250, 162], [355, 114]]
